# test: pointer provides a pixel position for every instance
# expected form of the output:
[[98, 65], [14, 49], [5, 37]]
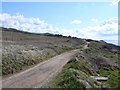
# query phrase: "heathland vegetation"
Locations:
[[100, 60], [21, 50]]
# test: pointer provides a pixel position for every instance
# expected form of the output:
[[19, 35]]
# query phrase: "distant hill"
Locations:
[[44, 34]]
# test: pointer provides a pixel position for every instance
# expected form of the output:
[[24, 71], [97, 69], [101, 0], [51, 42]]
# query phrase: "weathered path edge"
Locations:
[[39, 75]]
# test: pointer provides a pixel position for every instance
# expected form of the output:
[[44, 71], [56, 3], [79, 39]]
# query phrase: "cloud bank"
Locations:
[[108, 30], [27, 24]]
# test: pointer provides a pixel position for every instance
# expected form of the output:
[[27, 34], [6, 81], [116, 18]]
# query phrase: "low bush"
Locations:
[[67, 79]]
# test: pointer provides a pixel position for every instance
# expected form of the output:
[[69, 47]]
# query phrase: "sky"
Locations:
[[91, 20]]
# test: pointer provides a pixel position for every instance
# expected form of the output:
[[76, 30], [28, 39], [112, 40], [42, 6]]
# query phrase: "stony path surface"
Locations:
[[40, 74]]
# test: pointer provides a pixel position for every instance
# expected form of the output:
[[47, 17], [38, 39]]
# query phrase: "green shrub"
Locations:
[[67, 79]]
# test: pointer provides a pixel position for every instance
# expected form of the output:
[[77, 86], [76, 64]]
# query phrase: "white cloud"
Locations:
[[108, 30], [76, 22], [27, 24], [114, 2], [94, 20], [111, 20]]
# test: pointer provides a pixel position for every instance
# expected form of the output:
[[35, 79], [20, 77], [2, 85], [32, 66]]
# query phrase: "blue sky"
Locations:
[[66, 18], [61, 14]]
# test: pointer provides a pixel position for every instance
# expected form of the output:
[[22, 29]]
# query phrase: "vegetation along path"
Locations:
[[39, 75]]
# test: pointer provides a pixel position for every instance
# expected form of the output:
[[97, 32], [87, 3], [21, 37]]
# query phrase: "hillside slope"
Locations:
[[22, 49], [96, 66]]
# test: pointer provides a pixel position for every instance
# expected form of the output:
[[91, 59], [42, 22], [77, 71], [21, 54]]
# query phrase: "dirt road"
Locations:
[[39, 75]]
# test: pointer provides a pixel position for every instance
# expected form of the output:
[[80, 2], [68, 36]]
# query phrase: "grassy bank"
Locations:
[[22, 49], [99, 59], [14, 62]]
